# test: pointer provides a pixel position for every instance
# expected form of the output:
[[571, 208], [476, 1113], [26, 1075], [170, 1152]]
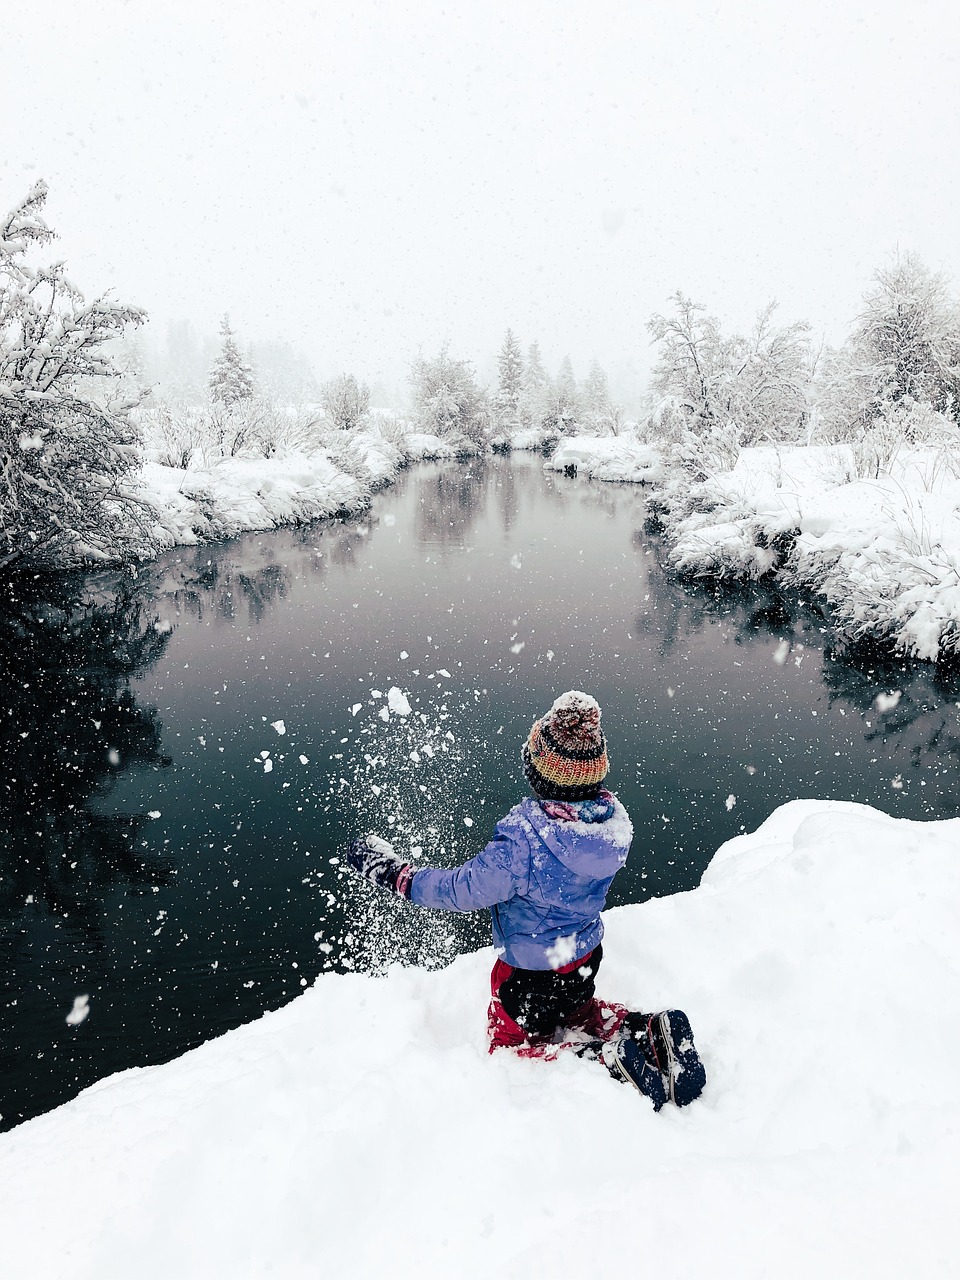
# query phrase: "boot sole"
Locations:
[[684, 1068]]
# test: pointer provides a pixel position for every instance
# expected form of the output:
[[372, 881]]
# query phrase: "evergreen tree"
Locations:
[[563, 405], [231, 379], [596, 392], [510, 385], [67, 442], [534, 389]]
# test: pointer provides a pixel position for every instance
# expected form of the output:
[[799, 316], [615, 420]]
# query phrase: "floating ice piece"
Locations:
[[404, 655], [280, 727], [897, 782], [397, 702], [154, 813], [384, 713], [442, 671], [267, 765], [80, 1010], [355, 708], [518, 648], [375, 693], [468, 822], [304, 760], [731, 801], [515, 560], [549, 655], [887, 701]]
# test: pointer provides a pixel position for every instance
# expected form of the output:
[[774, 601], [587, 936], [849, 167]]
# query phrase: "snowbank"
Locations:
[[885, 552], [238, 495], [614, 458], [362, 1131]]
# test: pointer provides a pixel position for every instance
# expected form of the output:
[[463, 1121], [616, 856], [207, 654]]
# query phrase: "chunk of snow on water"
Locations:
[[264, 754], [154, 813], [897, 782], [280, 727], [80, 1010], [415, 757], [751, 769], [404, 655], [782, 652], [384, 713], [515, 560], [113, 755], [730, 802], [267, 765], [304, 760], [355, 708], [397, 702], [442, 671], [468, 822], [549, 655], [517, 648], [375, 693], [887, 701]]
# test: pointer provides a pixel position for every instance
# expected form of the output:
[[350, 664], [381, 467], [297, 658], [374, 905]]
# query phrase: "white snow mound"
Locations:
[[363, 1131]]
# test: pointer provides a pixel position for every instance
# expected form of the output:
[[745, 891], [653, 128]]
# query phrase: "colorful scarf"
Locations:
[[597, 810]]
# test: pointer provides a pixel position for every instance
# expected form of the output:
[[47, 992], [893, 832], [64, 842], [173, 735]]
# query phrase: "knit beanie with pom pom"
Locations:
[[565, 756]]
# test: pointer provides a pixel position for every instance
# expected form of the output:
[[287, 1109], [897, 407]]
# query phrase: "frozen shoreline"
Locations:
[[364, 1121], [884, 552]]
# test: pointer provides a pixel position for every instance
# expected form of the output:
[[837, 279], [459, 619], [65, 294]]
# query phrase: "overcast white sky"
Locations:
[[369, 179]]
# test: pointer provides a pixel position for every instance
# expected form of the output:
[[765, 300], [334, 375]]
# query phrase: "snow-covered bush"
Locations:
[[346, 401], [759, 382], [447, 400], [67, 444]]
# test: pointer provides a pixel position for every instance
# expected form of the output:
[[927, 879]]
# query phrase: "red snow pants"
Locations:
[[538, 1013]]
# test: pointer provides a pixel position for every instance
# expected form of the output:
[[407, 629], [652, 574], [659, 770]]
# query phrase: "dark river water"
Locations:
[[186, 750]]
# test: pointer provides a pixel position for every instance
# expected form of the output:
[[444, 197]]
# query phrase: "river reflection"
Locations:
[[188, 748]]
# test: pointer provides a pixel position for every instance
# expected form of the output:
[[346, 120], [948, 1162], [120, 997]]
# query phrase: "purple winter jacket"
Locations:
[[545, 880]]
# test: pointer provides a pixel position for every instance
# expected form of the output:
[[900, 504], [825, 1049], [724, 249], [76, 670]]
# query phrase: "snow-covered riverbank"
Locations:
[[238, 495], [363, 1131], [884, 552]]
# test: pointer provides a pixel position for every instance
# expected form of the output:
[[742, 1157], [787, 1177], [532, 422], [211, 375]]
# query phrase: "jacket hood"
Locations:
[[594, 849]]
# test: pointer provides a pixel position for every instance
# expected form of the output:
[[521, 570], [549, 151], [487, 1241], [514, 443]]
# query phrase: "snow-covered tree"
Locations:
[[510, 385], [447, 400], [596, 391], [345, 401], [535, 389], [907, 338], [563, 406], [755, 385], [67, 442], [231, 379]]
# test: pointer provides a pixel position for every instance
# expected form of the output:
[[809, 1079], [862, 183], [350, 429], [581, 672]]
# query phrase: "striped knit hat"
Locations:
[[565, 756]]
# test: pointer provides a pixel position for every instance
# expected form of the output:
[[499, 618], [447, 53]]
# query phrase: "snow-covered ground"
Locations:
[[884, 551], [362, 1130]]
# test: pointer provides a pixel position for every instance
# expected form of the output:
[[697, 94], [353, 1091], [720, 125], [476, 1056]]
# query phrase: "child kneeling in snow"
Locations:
[[545, 876]]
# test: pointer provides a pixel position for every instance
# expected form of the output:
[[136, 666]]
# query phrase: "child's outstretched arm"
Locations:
[[496, 873]]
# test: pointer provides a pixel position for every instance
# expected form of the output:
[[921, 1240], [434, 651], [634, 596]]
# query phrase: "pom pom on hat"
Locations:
[[565, 756]]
